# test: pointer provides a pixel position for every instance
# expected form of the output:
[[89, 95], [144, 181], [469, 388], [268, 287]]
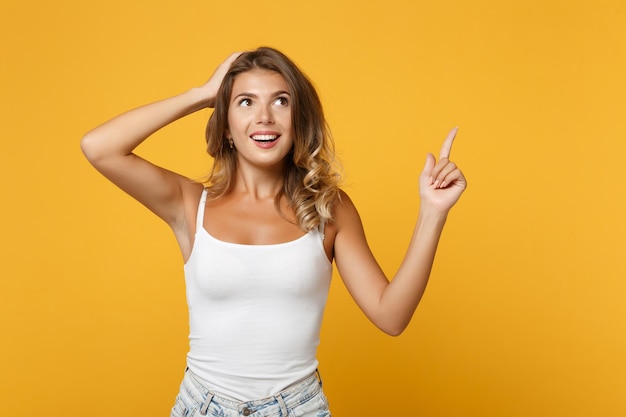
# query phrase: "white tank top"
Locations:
[[255, 311]]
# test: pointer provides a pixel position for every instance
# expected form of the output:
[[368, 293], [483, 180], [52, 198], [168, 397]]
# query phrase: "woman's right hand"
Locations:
[[212, 86], [110, 148]]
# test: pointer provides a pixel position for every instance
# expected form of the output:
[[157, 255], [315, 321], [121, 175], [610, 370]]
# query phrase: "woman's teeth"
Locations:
[[264, 138]]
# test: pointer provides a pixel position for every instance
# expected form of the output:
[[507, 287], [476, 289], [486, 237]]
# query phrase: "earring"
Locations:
[[231, 143]]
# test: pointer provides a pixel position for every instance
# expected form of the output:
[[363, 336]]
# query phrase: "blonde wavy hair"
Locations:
[[311, 177]]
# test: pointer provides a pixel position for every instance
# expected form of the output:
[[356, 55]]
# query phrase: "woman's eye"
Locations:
[[282, 101], [245, 102]]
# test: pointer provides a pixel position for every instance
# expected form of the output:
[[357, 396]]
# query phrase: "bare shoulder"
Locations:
[[344, 211], [345, 216], [191, 192], [185, 225]]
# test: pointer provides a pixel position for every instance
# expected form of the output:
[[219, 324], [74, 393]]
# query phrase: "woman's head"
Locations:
[[312, 153], [307, 115]]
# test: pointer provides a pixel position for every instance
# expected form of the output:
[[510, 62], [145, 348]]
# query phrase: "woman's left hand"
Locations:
[[442, 182]]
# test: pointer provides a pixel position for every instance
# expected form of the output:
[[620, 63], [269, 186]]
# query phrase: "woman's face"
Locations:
[[259, 118]]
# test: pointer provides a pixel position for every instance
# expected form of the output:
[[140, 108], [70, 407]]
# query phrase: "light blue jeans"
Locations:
[[302, 399]]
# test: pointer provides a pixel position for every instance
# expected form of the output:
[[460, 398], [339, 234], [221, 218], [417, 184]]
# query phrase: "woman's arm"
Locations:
[[390, 305], [109, 147]]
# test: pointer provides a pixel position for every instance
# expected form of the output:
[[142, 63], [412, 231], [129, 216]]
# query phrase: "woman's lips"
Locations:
[[265, 140]]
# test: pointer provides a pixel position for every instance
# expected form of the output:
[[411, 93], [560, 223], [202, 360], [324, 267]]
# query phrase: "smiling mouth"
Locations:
[[264, 138]]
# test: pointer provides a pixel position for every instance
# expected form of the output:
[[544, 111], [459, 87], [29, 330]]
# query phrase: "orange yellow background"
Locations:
[[524, 315]]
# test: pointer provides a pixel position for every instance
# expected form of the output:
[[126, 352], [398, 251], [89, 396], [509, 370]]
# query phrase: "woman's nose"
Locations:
[[264, 115]]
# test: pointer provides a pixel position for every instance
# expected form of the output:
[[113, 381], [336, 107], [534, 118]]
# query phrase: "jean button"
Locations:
[[246, 411]]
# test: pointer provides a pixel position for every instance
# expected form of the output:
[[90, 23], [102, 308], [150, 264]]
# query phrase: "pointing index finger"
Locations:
[[447, 144]]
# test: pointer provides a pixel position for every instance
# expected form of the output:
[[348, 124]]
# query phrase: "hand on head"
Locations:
[[213, 84]]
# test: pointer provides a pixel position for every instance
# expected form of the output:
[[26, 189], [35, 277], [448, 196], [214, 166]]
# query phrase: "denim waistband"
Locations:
[[290, 397]]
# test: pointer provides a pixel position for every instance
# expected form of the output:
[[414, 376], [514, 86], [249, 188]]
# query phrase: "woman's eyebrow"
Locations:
[[245, 94], [253, 95]]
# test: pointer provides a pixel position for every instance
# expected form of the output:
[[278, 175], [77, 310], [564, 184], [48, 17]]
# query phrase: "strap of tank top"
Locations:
[[200, 215], [320, 229]]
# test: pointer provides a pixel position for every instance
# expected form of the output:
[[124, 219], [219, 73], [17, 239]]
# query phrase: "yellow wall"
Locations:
[[525, 312]]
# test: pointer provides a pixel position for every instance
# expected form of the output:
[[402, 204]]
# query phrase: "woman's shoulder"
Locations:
[[346, 223], [344, 210], [191, 192], [343, 201]]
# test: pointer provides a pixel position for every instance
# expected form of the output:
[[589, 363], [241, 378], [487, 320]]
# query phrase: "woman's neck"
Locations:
[[259, 184]]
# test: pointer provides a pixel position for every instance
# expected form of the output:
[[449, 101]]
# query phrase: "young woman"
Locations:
[[258, 238]]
